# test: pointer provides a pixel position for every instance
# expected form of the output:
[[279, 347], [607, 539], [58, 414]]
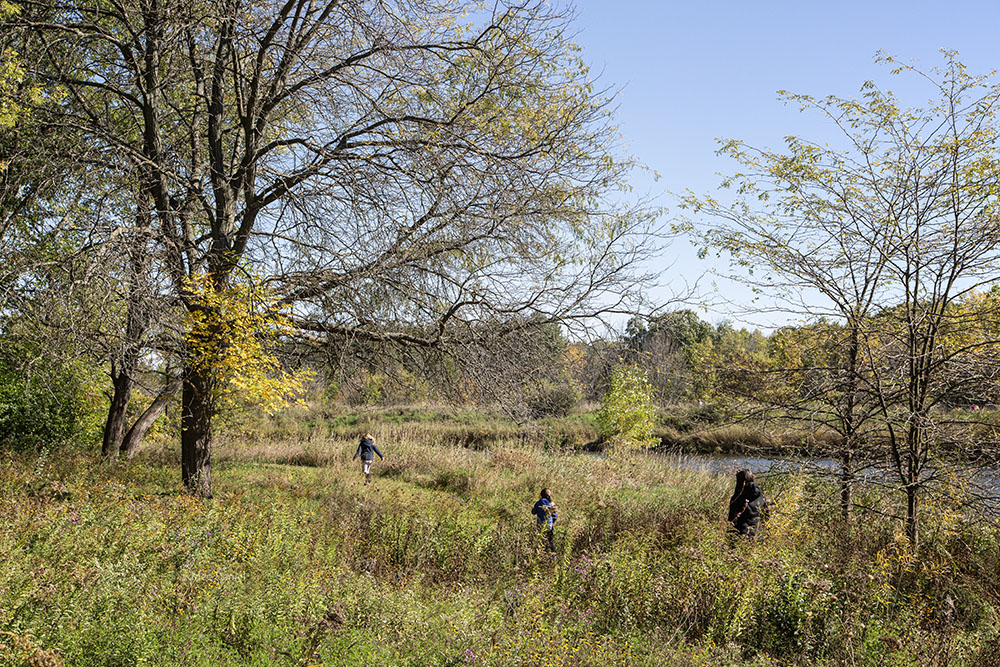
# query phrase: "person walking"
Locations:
[[545, 513], [746, 504], [367, 450]]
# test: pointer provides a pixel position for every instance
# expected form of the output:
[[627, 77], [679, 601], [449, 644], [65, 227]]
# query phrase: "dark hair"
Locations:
[[743, 477], [545, 493]]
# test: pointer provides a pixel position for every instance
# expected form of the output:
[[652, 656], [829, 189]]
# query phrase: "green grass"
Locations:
[[438, 563]]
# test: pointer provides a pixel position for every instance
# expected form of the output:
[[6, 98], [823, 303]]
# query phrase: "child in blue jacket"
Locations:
[[545, 513], [367, 451]]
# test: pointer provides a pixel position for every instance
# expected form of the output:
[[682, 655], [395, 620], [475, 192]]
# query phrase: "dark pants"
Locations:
[[550, 536]]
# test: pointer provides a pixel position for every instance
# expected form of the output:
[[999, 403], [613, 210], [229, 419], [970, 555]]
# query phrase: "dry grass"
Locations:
[[297, 562]]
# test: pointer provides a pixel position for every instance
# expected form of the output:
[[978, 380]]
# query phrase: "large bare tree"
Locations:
[[402, 172]]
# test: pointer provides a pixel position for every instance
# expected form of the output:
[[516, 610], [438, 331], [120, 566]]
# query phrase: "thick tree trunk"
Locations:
[[114, 426], [138, 431], [196, 433]]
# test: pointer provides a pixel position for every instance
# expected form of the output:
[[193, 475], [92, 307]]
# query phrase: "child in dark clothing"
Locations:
[[746, 504], [367, 451], [545, 513]]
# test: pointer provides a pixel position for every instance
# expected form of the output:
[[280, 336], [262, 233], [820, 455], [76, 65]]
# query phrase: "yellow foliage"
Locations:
[[891, 563], [11, 76], [231, 335], [788, 521]]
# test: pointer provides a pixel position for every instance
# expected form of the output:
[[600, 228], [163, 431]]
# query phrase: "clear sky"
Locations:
[[696, 70]]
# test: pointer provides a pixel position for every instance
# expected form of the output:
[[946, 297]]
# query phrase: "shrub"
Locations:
[[373, 389], [49, 408], [553, 399], [627, 416]]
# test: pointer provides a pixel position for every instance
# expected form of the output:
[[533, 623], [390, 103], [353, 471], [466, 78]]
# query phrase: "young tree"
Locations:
[[883, 236], [392, 173], [628, 415]]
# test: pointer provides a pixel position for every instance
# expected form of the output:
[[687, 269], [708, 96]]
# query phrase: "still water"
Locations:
[[983, 480]]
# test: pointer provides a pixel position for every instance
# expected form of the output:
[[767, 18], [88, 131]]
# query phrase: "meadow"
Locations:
[[296, 562]]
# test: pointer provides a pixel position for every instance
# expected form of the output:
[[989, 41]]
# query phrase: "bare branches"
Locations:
[[392, 175]]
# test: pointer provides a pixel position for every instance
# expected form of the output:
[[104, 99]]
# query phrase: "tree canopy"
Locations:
[[392, 172]]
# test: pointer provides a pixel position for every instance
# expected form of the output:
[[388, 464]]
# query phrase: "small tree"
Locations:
[[628, 415], [884, 236]]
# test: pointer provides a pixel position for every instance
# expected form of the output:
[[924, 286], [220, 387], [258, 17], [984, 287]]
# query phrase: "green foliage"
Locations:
[[729, 364], [628, 416], [373, 390], [683, 327], [51, 404]]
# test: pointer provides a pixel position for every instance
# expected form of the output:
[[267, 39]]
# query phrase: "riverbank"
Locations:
[[436, 563], [680, 429]]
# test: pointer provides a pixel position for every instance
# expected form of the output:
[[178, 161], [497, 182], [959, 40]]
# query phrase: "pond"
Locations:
[[982, 481]]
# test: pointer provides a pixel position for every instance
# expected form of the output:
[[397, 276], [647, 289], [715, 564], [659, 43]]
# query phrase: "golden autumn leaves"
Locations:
[[233, 334]]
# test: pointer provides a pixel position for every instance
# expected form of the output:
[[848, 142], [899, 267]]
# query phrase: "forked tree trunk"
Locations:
[[141, 426], [123, 373], [196, 433], [114, 426]]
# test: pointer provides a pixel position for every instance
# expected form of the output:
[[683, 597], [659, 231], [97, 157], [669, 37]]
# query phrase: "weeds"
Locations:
[[296, 562]]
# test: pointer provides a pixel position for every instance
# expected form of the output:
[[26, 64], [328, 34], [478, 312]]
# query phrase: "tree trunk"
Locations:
[[147, 418], [123, 373], [196, 433], [114, 426], [846, 484], [911, 515]]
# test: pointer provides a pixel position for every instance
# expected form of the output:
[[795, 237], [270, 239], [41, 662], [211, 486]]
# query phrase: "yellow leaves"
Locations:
[[11, 74], [788, 520], [232, 334], [891, 563]]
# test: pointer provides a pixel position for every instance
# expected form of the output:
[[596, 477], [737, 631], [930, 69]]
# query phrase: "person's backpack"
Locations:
[[753, 503]]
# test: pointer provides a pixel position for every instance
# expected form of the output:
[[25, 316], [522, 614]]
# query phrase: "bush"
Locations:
[[553, 399], [50, 408], [627, 417]]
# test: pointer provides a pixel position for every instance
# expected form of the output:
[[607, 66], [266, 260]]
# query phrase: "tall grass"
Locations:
[[438, 563]]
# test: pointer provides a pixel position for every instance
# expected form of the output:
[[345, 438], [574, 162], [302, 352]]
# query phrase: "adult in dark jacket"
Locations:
[[367, 450], [746, 504]]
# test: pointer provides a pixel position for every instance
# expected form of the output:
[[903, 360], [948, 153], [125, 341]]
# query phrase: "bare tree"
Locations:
[[391, 175]]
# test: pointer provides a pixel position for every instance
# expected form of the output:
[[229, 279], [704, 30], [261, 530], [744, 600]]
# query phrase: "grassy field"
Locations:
[[296, 562], [685, 428]]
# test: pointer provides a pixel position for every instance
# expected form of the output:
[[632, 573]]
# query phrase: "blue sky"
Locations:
[[694, 71]]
